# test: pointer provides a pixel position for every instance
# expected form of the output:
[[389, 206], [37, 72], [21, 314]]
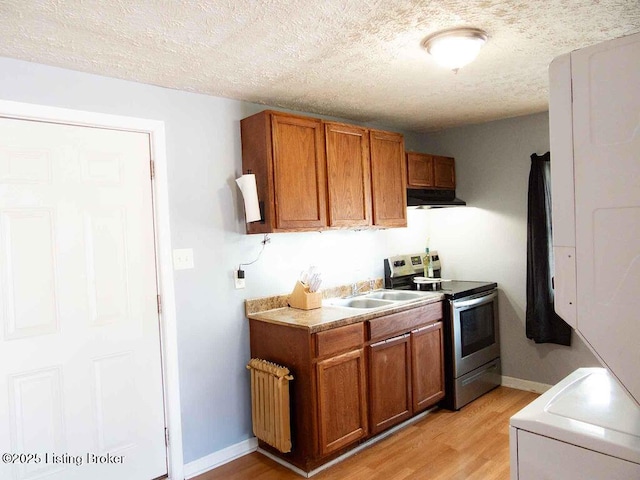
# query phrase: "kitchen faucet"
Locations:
[[355, 289]]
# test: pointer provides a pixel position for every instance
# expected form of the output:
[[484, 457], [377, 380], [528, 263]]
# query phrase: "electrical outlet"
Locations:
[[183, 258], [238, 278]]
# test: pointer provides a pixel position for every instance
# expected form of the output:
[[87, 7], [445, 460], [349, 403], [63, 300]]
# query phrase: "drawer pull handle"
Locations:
[[391, 340], [428, 327]]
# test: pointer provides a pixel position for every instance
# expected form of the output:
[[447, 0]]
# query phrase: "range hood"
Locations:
[[432, 198]]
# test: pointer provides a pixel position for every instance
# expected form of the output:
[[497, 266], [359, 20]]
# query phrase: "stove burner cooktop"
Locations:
[[399, 272], [458, 289]]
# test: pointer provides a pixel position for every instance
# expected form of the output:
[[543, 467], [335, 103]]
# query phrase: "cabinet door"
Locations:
[[444, 172], [427, 366], [342, 401], [419, 170], [348, 175], [389, 382], [299, 172], [388, 179]]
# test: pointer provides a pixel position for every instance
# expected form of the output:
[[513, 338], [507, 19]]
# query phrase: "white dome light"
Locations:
[[456, 47]]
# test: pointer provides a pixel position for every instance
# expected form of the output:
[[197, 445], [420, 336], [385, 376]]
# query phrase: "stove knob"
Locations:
[[399, 263]]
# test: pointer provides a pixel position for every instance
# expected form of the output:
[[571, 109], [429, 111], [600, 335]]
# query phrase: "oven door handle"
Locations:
[[475, 300]]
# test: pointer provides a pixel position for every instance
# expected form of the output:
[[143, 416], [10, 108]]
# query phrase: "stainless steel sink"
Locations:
[[396, 296], [377, 299], [358, 302]]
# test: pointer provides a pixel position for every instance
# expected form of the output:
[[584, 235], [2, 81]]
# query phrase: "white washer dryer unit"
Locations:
[[588, 426], [585, 427]]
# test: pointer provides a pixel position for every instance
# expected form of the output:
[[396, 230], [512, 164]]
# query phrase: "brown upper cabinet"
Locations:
[[348, 175], [388, 173], [430, 171], [286, 153], [315, 175]]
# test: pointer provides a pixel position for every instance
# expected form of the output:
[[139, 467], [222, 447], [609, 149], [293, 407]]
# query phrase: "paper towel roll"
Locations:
[[247, 184]]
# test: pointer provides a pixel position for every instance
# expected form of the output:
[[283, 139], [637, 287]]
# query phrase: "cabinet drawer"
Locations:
[[397, 323], [339, 339]]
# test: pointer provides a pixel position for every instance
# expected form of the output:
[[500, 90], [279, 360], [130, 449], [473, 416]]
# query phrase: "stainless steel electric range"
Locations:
[[470, 325]]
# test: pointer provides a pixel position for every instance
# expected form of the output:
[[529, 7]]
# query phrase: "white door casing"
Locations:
[[72, 288]]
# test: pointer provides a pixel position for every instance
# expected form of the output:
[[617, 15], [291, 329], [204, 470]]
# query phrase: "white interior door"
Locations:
[[80, 364]]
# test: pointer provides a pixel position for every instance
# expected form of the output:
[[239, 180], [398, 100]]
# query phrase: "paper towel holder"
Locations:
[[260, 205], [248, 188]]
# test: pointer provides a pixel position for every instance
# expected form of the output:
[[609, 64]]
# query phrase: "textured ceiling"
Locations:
[[356, 59]]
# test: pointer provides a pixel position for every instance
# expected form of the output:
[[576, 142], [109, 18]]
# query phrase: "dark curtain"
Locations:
[[543, 324]]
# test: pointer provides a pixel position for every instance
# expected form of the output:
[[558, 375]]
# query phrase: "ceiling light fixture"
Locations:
[[456, 47]]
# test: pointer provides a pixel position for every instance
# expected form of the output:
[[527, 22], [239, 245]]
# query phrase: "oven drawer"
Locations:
[[402, 322], [477, 382]]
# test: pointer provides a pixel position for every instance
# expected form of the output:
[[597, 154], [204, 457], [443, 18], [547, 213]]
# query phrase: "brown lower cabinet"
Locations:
[[390, 381], [427, 366], [342, 400], [352, 382], [406, 372]]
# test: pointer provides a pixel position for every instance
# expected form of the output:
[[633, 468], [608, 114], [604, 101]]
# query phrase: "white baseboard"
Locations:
[[284, 463], [527, 385], [204, 464]]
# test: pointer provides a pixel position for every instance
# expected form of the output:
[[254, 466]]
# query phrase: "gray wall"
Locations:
[[204, 158], [489, 240]]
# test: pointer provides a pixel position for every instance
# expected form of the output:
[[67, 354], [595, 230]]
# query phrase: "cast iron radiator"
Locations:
[[270, 403]]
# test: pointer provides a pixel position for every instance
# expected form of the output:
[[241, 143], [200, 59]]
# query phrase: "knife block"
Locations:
[[303, 299]]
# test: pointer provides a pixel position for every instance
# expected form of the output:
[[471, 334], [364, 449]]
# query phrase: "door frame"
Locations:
[[164, 262]]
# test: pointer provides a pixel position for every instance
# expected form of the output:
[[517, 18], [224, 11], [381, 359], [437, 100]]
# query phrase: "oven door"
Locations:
[[476, 339]]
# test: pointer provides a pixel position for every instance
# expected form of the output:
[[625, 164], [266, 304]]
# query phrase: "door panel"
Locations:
[[427, 367], [348, 175], [419, 170], [299, 172], [388, 179], [24, 164], [114, 383], [29, 293], [342, 400], [35, 400], [444, 172], [389, 383], [80, 367], [106, 265]]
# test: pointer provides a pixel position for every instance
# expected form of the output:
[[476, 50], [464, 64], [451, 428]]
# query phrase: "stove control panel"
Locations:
[[403, 265]]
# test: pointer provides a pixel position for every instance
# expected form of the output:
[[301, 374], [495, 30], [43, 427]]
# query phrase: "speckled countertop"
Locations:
[[275, 310]]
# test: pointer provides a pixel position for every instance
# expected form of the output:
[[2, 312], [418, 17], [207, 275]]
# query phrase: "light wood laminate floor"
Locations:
[[471, 444]]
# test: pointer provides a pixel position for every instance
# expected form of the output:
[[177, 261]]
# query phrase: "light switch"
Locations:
[[182, 258]]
